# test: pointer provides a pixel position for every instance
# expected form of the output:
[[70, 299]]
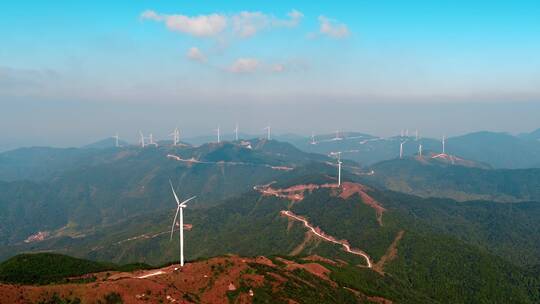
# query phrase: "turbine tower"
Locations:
[[179, 210], [218, 135], [337, 136], [176, 136], [420, 150], [236, 132], [401, 149], [313, 142], [339, 168], [116, 137], [141, 139], [444, 145], [268, 130]]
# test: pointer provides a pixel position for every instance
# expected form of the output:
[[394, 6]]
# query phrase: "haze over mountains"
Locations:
[[424, 223]]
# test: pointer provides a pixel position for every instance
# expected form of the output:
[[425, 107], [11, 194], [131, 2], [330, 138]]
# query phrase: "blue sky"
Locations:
[[268, 52]]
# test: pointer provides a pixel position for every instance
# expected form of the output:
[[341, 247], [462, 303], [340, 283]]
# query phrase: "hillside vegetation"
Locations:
[[427, 178], [47, 268]]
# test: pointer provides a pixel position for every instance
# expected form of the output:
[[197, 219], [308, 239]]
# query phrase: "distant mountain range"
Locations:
[[430, 178], [420, 230], [534, 135], [500, 150]]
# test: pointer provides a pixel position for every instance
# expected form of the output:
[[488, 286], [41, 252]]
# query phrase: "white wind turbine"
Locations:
[[179, 210], [176, 136], [117, 138], [236, 132], [268, 131], [339, 168], [444, 145], [401, 149], [218, 135], [313, 142], [151, 140], [337, 136], [420, 150], [141, 140]]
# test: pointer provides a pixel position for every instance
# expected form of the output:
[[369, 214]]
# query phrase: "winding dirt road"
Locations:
[[229, 163], [331, 239]]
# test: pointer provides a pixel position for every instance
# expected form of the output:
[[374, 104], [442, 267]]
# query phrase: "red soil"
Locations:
[[294, 193], [349, 189], [202, 279], [379, 300], [391, 253], [297, 193], [208, 281], [316, 258]]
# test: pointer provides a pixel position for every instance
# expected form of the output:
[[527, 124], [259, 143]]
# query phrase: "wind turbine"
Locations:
[[179, 210], [151, 139], [236, 132], [420, 150], [116, 137], [337, 136], [176, 136], [141, 140], [401, 149], [339, 168], [313, 142], [268, 130], [218, 135], [444, 145]]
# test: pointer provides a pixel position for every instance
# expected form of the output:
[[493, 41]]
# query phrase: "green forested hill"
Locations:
[[107, 186], [431, 179], [119, 209], [438, 259], [47, 268]]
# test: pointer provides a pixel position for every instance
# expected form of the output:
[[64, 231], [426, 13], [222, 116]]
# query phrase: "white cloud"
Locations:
[[247, 24], [244, 65], [150, 15], [196, 55], [333, 29], [198, 26], [295, 18], [244, 24]]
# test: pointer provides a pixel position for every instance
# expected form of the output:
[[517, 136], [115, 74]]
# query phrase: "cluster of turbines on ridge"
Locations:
[[149, 140], [404, 138]]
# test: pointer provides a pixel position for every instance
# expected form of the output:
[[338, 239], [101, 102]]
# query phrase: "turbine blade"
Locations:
[[183, 204], [174, 192], [174, 221]]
